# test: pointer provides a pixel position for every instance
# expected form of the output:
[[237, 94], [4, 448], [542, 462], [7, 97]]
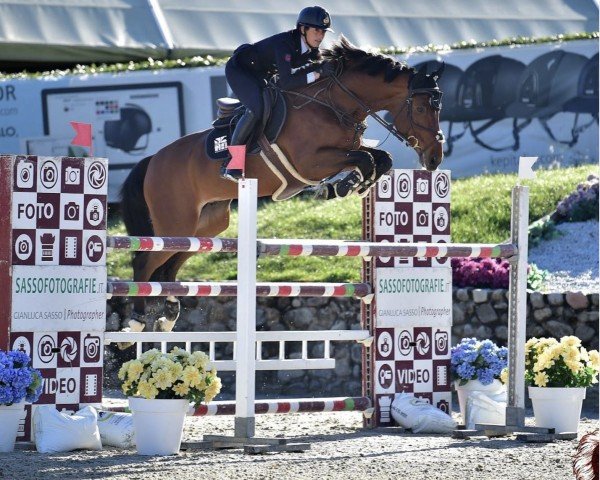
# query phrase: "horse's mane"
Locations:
[[359, 60]]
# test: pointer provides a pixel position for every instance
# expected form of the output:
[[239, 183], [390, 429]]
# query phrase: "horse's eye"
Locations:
[[420, 109]]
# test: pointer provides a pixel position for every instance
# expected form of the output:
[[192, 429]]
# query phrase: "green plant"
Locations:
[[536, 277], [542, 229]]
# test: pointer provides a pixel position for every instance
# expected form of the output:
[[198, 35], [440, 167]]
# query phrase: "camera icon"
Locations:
[[384, 187], [46, 349], [403, 185], [72, 176], [49, 174], [422, 218], [71, 211], [91, 348], [422, 187], [23, 247], [25, 175]]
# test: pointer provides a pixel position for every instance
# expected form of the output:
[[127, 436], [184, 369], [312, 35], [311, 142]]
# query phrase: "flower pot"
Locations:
[[470, 386], [9, 425], [158, 425], [557, 407]]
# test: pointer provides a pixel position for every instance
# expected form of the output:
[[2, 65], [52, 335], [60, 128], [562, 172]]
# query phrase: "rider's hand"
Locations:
[[327, 69], [317, 75]]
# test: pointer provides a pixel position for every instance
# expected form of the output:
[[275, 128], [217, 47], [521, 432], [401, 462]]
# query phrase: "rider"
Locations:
[[290, 54]]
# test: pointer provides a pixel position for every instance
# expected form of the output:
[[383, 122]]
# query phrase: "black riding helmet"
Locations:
[[316, 17]]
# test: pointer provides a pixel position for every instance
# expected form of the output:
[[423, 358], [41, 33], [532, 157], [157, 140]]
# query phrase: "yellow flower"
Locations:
[[212, 390], [123, 370], [190, 376], [531, 343], [541, 379], [163, 378], [161, 363], [147, 390], [594, 360], [199, 360], [504, 376], [149, 356], [176, 370], [178, 352], [570, 341], [545, 360], [584, 355], [544, 343], [125, 387], [134, 370], [181, 389], [574, 366]]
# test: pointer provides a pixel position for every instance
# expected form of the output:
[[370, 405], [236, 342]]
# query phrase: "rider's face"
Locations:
[[314, 36]]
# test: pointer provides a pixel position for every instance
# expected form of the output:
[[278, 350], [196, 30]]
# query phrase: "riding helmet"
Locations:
[[316, 17]]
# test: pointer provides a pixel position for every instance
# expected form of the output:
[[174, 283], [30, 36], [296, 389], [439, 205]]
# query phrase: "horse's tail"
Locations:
[[133, 204]]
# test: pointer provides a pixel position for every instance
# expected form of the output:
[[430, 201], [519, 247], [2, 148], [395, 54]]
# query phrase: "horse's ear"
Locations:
[[438, 73], [422, 73]]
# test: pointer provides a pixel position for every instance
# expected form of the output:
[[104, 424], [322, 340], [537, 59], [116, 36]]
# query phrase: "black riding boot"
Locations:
[[243, 131]]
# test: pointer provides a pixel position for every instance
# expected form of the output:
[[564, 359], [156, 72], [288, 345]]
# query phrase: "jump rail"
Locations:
[[230, 289], [320, 248], [299, 405]]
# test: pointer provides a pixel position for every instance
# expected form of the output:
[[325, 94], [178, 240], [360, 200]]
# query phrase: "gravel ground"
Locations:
[[571, 258], [340, 449]]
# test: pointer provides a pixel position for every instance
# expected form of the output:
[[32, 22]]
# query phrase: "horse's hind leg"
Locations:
[[172, 305], [214, 218]]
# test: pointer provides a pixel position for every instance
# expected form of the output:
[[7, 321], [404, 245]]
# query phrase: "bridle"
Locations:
[[435, 100]]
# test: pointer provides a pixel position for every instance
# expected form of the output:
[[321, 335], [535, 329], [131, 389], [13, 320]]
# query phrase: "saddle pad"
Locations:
[[220, 137]]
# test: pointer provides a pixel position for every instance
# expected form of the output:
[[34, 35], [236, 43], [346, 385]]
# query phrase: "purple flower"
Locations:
[[18, 380], [475, 360]]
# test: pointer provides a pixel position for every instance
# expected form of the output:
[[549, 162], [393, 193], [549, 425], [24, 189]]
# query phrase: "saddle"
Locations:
[[231, 110], [275, 112]]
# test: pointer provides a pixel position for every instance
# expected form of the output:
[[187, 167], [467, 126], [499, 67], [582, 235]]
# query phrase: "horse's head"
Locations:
[[417, 118], [412, 98]]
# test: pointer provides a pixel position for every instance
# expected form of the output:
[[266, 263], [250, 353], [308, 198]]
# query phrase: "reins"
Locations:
[[360, 126]]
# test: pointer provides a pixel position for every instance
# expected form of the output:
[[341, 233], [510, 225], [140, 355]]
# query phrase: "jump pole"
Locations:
[[517, 307], [245, 347]]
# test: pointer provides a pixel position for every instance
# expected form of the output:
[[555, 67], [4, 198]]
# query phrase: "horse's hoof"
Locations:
[[124, 345], [324, 191], [163, 325], [136, 325]]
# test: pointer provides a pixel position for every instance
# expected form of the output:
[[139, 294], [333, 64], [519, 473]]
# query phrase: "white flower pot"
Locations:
[[9, 425], [470, 386], [158, 425], [556, 407]]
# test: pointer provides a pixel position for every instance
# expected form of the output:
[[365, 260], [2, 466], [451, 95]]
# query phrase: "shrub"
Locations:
[[580, 205], [491, 273]]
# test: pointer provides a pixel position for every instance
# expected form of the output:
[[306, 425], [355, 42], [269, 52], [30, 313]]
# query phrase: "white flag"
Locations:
[[526, 167]]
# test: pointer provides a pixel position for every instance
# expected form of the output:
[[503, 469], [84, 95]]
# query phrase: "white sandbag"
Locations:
[[59, 432], [486, 408], [419, 415], [116, 429]]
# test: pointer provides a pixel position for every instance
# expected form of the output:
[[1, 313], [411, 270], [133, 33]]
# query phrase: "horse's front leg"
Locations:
[[362, 166], [383, 163]]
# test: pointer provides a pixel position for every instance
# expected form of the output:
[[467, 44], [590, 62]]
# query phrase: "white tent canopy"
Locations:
[[54, 31]]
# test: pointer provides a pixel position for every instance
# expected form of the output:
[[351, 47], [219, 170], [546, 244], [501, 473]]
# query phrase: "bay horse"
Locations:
[[179, 192]]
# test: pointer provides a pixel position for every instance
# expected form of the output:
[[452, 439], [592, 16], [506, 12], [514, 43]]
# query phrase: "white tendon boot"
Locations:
[[166, 324]]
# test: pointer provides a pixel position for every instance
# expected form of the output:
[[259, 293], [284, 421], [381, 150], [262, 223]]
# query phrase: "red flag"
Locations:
[[83, 134], [238, 158]]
